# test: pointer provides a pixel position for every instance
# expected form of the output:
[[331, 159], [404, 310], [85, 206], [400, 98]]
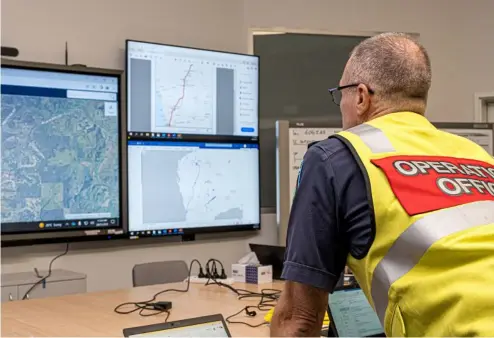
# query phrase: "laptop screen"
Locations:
[[211, 329], [352, 314]]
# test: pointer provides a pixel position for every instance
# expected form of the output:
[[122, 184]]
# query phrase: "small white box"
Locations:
[[238, 272], [254, 274], [111, 108]]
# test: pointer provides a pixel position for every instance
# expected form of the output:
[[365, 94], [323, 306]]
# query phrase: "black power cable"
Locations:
[[268, 297], [151, 307], [43, 279], [249, 313]]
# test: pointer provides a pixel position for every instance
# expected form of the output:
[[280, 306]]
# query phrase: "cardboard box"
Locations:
[[254, 274]]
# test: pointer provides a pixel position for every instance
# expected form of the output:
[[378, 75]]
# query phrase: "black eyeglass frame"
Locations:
[[340, 88]]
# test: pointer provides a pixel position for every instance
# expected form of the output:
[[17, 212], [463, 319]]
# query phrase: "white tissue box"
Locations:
[[254, 274]]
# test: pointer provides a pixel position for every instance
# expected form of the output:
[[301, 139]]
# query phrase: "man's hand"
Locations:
[[300, 311]]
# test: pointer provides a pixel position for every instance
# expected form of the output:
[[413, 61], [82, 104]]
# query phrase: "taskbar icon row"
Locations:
[[133, 134], [83, 223], [154, 233], [139, 135]]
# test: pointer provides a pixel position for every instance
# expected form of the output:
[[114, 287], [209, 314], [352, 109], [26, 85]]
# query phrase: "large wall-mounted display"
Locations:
[[61, 152], [190, 187], [181, 90]]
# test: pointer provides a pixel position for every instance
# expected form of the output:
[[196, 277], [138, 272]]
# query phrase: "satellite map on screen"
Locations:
[[59, 158]]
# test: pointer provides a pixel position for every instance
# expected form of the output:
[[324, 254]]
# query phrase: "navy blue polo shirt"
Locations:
[[330, 216]]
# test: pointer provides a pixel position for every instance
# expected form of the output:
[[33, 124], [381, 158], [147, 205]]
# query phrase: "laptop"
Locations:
[[351, 315], [270, 255], [207, 326]]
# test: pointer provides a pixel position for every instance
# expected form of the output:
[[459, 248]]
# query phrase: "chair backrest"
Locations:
[[159, 273]]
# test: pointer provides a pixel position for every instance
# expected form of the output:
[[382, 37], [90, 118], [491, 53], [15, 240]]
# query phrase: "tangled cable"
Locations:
[[151, 307], [268, 297]]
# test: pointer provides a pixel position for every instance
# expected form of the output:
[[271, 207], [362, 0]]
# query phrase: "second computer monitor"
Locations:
[[180, 187], [180, 90]]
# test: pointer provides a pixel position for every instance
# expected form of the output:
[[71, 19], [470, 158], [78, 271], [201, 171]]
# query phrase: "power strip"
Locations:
[[197, 280]]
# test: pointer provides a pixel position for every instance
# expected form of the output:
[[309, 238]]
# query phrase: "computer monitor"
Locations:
[[270, 255], [207, 326], [351, 315], [60, 148], [183, 187], [181, 90]]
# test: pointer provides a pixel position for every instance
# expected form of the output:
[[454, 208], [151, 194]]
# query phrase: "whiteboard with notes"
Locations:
[[299, 140], [293, 139]]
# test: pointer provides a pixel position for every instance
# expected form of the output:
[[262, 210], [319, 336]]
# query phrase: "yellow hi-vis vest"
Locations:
[[430, 268]]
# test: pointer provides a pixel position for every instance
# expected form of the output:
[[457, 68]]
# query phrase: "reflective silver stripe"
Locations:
[[412, 244], [373, 137]]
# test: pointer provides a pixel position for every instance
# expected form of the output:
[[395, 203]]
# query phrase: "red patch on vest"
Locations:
[[427, 183]]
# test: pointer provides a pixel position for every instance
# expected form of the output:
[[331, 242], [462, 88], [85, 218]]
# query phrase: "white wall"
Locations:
[[96, 29], [457, 33]]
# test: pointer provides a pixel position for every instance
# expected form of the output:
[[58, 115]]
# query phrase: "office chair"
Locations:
[[159, 273]]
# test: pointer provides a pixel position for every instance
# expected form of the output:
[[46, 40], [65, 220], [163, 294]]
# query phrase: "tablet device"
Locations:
[[207, 326], [351, 315]]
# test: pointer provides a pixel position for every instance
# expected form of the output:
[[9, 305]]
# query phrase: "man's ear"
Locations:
[[363, 100]]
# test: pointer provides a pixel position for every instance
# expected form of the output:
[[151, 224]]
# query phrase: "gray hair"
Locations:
[[394, 65]]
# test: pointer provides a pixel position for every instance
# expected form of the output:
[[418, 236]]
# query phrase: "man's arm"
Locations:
[[300, 311], [316, 252]]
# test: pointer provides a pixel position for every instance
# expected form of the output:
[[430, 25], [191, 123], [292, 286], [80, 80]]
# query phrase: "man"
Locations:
[[408, 207]]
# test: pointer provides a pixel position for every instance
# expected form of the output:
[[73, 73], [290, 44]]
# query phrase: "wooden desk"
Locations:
[[91, 314]]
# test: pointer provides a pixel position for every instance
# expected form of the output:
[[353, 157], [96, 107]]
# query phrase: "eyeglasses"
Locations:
[[336, 92]]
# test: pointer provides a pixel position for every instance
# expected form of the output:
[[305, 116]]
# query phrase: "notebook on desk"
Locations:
[[207, 326], [351, 315]]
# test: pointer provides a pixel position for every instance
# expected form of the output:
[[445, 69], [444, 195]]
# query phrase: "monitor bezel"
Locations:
[[87, 233], [127, 78], [203, 229], [128, 332]]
